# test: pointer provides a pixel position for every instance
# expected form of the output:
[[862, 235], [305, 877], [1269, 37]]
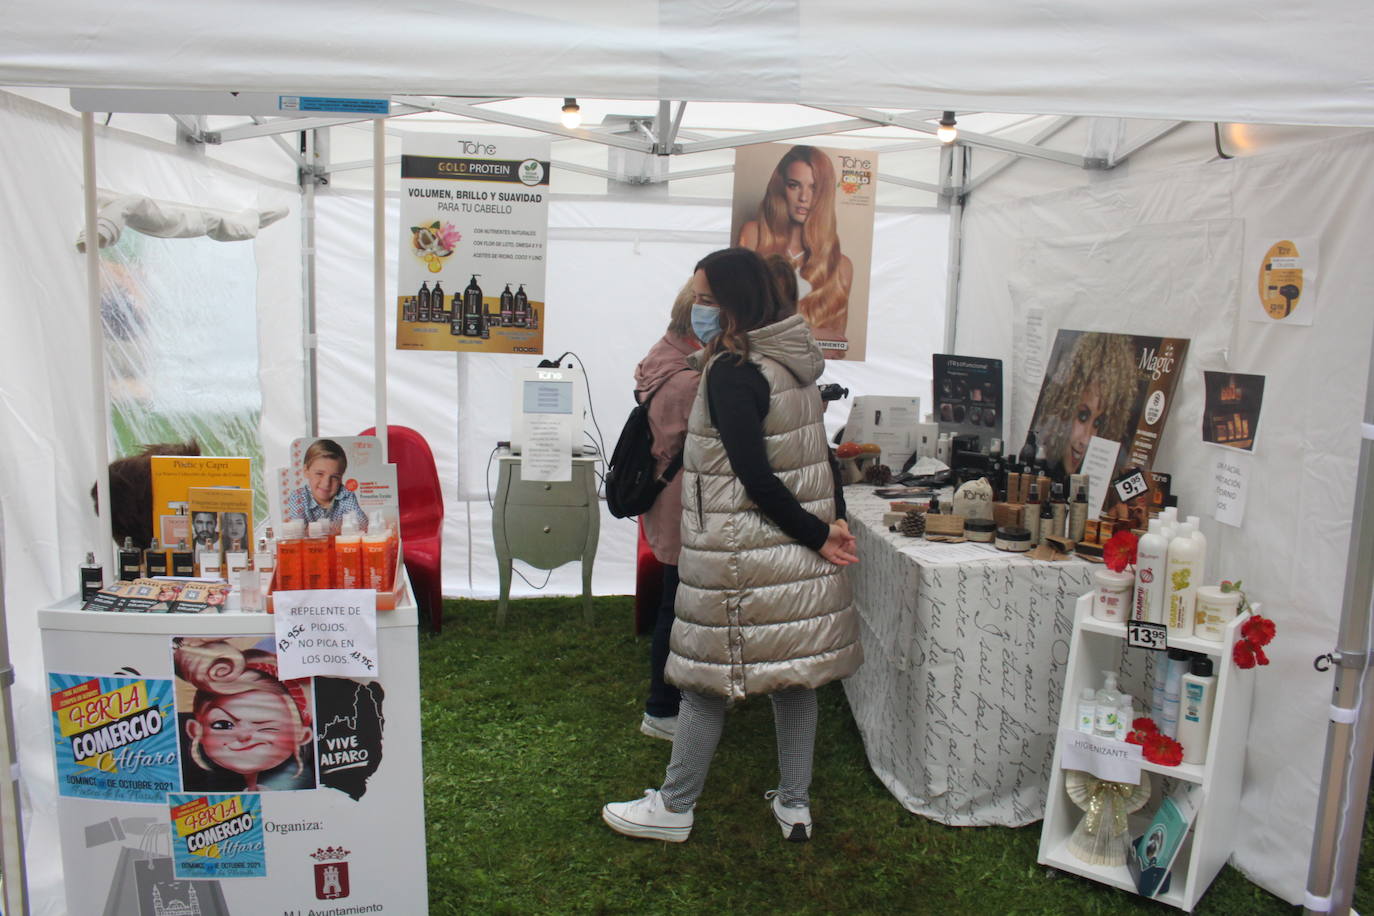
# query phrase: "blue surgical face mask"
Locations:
[[705, 322]]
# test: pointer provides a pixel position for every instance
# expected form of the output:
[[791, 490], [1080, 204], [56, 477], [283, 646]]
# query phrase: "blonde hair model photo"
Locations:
[[813, 207]]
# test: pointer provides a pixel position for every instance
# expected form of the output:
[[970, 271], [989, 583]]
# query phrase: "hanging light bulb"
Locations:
[[572, 114], [948, 130]]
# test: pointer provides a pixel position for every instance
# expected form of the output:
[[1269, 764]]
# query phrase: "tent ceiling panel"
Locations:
[[1230, 60]]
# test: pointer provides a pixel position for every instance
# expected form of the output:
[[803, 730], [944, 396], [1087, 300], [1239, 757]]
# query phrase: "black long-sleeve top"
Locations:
[[737, 396]]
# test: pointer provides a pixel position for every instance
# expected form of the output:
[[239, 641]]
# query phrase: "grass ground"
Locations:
[[530, 729]]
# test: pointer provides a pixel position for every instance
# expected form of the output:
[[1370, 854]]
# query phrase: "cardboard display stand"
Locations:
[[149, 825]]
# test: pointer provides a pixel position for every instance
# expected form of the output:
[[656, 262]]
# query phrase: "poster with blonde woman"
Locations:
[[813, 206], [1118, 387]]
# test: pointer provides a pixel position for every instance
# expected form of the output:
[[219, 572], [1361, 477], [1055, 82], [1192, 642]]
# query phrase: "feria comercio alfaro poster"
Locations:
[[473, 233]]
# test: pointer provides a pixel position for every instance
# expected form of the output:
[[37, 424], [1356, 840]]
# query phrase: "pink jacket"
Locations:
[[664, 373]]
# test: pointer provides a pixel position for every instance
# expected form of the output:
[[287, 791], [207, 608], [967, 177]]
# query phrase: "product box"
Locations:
[[173, 476]]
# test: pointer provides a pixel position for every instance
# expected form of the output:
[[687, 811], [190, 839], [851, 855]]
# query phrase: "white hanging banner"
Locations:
[[474, 228], [326, 631]]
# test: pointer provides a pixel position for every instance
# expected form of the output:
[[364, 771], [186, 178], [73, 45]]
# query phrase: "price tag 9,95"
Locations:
[[1130, 485], [1141, 634]]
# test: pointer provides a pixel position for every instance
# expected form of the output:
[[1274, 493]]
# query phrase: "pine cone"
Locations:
[[913, 524], [879, 474]]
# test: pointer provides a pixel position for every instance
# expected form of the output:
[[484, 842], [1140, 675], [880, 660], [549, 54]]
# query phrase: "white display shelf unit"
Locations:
[[1097, 646]]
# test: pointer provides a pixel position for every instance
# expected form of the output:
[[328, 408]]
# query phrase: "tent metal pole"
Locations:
[[11, 815], [1350, 731], [100, 399], [307, 180], [953, 160], [379, 276]]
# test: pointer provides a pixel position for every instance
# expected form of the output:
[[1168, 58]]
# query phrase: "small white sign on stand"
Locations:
[[1105, 758], [326, 632]]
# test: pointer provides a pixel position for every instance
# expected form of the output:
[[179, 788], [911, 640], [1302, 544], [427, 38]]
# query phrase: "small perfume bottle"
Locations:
[[130, 561], [92, 578]]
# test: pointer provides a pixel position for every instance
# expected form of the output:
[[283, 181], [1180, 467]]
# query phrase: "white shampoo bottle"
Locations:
[[1195, 710], [1184, 573], [1151, 560]]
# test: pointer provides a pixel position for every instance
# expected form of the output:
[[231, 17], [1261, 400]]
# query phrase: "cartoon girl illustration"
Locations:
[[796, 219], [247, 730]]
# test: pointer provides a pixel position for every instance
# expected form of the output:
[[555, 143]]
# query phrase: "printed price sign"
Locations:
[[1141, 634], [1130, 485]]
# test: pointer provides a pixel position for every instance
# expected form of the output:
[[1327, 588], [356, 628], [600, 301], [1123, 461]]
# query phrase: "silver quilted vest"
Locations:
[[756, 610]]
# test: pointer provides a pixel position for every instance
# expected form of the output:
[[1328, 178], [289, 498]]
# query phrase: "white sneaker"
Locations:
[[664, 727], [795, 822], [646, 817]]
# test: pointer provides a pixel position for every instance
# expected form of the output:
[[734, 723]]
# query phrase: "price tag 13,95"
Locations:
[[1141, 634]]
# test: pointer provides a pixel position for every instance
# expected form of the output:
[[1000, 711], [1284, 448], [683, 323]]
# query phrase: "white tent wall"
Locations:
[[614, 267], [48, 420], [1174, 252]]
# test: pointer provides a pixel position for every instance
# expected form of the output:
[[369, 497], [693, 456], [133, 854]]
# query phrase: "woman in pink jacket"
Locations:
[[664, 374]]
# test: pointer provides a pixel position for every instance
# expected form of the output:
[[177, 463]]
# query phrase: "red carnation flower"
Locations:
[[1163, 750], [1259, 630], [1260, 657], [1119, 551], [1243, 654], [1145, 724]]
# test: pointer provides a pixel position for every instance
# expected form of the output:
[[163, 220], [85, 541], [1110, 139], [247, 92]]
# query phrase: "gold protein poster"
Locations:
[[473, 235], [813, 206]]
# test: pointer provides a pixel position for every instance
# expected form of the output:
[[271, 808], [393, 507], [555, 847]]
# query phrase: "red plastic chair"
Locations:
[[648, 585], [422, 517]]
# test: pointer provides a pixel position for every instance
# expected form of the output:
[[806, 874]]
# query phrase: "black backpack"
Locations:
[[631, 485]]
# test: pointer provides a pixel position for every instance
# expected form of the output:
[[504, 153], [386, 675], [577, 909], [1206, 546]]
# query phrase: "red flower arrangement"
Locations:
[[1255, 633], [1119, 551], [1155, 747]]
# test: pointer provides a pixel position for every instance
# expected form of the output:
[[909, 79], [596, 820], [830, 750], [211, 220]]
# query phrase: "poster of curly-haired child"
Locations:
[[241, 729], [1118, 387]]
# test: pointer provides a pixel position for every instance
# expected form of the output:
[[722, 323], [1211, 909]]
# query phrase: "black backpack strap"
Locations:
[[671, 470]]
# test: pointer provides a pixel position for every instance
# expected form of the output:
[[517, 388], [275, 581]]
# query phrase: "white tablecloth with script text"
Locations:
[[965, 653]]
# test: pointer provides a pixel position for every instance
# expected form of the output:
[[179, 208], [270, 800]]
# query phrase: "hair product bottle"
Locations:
[[436, 304], [1060, 511], [1030, 514], [1195, 710], [1201, 539], [374, 560], [183, 560], [1183, 574], [348, 557], [1151, 561], [92, 578], [130, 561], [265, 561], [1173, 686], [408, 309], [1047, 528], [422, 303], [520, 308], [315, 561], [290, 556], [507, 307], [1161, 678], [473, 319], [155, 559]]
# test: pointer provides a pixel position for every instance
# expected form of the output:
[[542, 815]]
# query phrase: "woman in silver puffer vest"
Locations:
[[763, 606]]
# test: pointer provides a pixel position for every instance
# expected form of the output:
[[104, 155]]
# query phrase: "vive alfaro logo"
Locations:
[[331, 872]]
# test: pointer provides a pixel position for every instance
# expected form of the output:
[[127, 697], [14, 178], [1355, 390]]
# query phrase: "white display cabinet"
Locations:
[[1097, 645]]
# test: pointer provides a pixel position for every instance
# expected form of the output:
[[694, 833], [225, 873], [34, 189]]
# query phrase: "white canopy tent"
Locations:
[[1079, 188]]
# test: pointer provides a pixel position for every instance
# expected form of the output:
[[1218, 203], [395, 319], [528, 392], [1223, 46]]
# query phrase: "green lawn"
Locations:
[[529, 730]]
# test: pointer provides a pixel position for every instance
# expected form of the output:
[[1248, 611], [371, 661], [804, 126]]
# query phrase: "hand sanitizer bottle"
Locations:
[[1108, 707], [1087, 710]]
